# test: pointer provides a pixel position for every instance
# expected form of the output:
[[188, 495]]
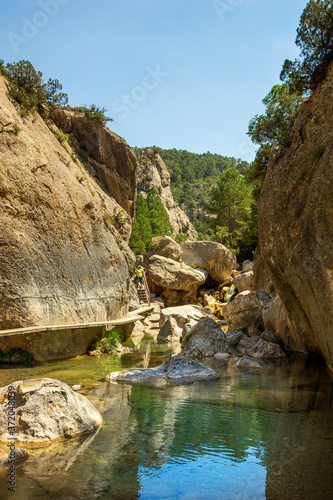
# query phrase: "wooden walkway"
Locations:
[[50, 342]]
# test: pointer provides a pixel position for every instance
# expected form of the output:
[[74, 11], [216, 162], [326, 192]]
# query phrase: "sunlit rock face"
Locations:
[[63, 239], [296, 223]]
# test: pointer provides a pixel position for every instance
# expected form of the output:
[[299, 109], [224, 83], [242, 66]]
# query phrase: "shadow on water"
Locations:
[[248, 435]]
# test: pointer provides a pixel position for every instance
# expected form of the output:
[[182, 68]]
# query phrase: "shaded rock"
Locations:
[[244, 310], [205, 339], [269, 336], [47, 409], [107, 156], [244, 281], [184, 314], [276, 319], [295, 220], [234, 338], [178, 368], [259, 348], [247, 362], [188, 326], [170, 331], [213, 257], [164, 246], [154, 174], [19, 455]]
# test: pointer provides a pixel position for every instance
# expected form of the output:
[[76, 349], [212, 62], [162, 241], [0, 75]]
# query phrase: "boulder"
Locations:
[[178, 368], [277, 320], [247, 266], [256, 347], [165, 247], [244, 281], [184, 314], [171, 276], [247, 362], [295, 221], [46, 409], [170, 331], [243, 311], [234, 338], [269, 337], [213, 257], [205, 339]]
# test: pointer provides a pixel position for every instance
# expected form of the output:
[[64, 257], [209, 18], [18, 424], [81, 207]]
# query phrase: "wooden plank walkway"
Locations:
[[131, 318]]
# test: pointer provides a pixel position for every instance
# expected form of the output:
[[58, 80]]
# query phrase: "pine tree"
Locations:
[[231, 201], [159, 218], [142, 232]]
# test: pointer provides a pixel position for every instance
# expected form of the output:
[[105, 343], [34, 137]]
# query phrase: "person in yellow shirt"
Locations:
[[139, 276]]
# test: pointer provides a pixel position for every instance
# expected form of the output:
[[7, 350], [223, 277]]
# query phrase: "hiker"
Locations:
[[139, 277]]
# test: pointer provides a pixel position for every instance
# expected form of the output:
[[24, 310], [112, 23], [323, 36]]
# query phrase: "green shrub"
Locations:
[[73, 156], [16, 128], [83, 153], [95, 113], [110, 343], [61, 136], [108, 219], [16, 356], [180, 238], [29, 90], [317, 153]]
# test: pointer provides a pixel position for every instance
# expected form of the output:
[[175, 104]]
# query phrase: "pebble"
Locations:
[[76, 387]]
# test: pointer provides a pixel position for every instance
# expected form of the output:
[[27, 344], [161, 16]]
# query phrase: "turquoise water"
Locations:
[[248, 435]]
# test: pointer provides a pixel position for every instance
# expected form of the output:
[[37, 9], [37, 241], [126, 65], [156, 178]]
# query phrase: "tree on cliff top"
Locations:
[[29, 90], [315, 39]]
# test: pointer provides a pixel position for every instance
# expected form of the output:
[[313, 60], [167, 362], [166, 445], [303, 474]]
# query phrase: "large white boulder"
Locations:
[[213, 257], [45, 409]]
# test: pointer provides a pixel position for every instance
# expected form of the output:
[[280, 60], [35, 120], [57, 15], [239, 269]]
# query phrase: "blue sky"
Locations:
[[185, 74]]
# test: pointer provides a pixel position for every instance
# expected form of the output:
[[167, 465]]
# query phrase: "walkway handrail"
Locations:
[[147, 292]]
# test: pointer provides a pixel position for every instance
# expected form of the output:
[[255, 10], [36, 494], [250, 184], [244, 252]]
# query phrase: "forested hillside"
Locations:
[[192, 177]]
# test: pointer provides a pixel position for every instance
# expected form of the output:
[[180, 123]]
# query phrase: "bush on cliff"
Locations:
[[28, 88], [95, 113]]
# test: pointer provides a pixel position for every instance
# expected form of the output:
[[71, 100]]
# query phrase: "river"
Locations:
[[249, 435]]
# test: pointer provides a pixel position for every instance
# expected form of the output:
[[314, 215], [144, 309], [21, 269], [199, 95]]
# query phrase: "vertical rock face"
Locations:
[[153, 173], [104, 153], [63, 252], [296, 223]]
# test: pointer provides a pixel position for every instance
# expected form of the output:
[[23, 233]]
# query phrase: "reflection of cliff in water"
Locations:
[[248, 422], [299, 457]]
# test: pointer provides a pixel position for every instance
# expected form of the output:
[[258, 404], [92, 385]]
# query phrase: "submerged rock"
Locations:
[[46, 409], [178, 368], [247, 362]]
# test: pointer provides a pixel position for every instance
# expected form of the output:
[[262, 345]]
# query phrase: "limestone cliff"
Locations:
[[105, 155], [296, 223], [153, 173], [63, 237]]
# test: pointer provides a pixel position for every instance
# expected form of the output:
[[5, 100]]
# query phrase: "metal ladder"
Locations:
[[143, 293]]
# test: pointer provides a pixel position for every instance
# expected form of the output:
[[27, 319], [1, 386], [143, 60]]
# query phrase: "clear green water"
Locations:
[[248, 435]]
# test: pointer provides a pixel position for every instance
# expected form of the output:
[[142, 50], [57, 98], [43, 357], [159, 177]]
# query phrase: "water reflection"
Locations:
[[266, 434]]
